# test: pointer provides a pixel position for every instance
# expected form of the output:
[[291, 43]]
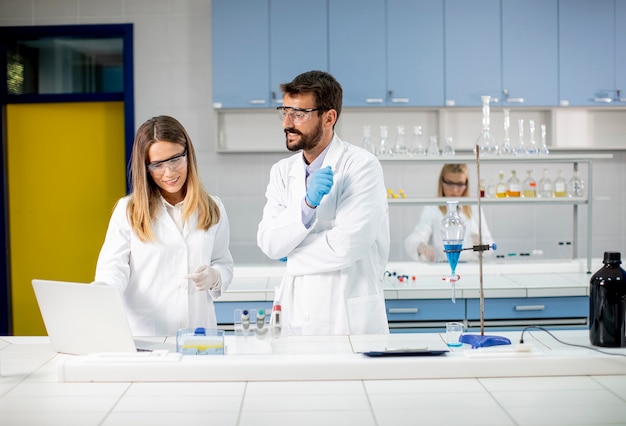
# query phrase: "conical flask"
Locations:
[[452, 230], [486, 143]]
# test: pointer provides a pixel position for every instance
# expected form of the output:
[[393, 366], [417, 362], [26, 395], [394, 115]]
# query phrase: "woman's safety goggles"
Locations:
[[175, 163]]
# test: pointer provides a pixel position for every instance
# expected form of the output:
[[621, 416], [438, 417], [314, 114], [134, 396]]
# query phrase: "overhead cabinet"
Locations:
[[258, 44], [592, 52]]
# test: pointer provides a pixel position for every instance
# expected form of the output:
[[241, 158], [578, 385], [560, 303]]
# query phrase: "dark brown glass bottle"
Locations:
[[607, 303]]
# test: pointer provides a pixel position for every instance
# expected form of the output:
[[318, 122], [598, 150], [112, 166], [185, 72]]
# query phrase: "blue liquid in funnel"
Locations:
[[453, 251]]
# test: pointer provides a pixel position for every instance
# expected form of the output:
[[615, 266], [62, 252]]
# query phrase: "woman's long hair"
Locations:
[[145, 196], [455, 168]]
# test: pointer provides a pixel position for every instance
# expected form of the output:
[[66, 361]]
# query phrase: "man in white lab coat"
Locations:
[[326, 215]]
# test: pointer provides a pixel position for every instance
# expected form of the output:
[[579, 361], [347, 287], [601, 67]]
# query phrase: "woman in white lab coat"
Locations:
[[424, 243], [167, 246], [335, 240]]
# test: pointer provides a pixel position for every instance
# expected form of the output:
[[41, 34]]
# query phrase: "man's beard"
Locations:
[[308, 141]]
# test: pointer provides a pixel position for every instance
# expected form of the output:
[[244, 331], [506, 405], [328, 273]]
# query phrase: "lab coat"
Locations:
[[427, 231], [334, 270], [149, 275]]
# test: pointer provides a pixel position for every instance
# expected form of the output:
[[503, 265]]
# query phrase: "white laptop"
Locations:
[[81, 319]]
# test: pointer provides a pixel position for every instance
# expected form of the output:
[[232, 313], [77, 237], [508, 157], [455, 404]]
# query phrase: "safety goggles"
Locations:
[[175, 163]]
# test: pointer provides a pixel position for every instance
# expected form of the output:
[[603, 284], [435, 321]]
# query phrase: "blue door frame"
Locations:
[[10, 35]]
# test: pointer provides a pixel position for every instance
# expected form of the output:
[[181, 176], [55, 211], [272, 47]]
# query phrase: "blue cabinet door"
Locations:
[[472, 51], [587, 52], [530, 53], [298, 41], [240, 39], [415, 52], [357, 57]]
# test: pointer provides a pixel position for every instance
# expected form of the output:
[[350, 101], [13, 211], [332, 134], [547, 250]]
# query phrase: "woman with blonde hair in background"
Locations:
[[424, 243]]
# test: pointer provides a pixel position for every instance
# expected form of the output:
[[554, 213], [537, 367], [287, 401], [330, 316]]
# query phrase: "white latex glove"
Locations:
[[426, 252], [205, 278]]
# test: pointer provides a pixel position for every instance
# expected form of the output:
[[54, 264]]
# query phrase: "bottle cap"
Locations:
[[612, 257]]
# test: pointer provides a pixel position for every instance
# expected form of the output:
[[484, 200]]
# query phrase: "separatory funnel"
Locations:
[[452, 230]]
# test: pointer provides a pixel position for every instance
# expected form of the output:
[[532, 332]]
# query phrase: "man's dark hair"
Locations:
[[327, 92]]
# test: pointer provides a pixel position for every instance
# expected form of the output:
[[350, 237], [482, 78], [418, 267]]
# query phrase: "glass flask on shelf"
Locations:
[[532, 145], [400, 146], [520, 149], [367, 140], [417, 144], [448, 149], [544, 147], [433, 147], [513, 186], [506, 148], [576, 186], [491, 189], [529, 186], [485, 143], [545, 185], [560, 187], [501, 186], [383, 147], [452, 230]]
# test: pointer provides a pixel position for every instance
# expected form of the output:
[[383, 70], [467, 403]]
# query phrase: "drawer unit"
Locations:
[[533, 310], [425, 310]]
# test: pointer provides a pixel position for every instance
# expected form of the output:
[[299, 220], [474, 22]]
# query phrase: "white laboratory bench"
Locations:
[[318, 380], [518, 293]]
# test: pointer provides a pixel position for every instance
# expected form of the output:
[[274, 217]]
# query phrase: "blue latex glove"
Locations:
[[320, 183]]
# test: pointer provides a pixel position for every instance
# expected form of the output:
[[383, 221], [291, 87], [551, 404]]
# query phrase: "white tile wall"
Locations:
[[172, 76]]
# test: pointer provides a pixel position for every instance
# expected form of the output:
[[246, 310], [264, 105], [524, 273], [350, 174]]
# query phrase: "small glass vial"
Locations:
[[501, 186], [544, 147], [576, 186], [367, 140], [383, 147], [513, 186], [532, 148], [529, 186], [520, 149], [545, 185], [560, 187], [400, 146], [448, 149], [417, 146], [506, 148], [482, 188], [433, 148]]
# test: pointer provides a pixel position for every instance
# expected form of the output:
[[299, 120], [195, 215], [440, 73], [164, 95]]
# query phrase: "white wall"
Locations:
[[173, 76]]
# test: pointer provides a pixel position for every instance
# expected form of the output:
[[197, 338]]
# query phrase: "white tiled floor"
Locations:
[[30, 394]]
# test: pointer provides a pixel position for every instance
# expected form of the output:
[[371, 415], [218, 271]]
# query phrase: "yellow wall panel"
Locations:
[[66, 169]]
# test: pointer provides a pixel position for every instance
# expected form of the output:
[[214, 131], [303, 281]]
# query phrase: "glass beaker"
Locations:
[[485, 143], [452, 230]]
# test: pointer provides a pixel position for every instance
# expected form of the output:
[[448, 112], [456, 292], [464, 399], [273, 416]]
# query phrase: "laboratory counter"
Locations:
[[519, 293], [319, 380]]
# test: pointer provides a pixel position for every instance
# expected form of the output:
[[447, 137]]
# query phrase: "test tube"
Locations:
[[276, 320], [260, 319], [245, 319]]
